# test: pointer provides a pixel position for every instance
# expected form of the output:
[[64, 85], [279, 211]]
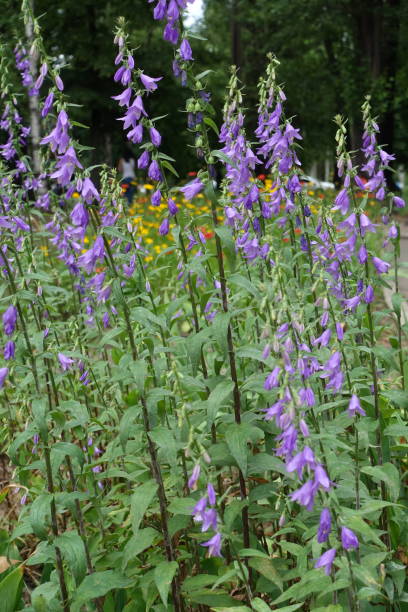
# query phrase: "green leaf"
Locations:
[[233, 509], [213, 598], [170, 167], [217, 398], [261, 606], [387, 473], [236, 437], [194, 345], [212, 124], [73, 551], [219, 331], [117, 292], [396, 430], [81, 125], [97, 585], [227, 160], [45, 597], [139, 371], [331, 608], [242, 281], [39, 408], [108, 337], [311, 582], [396, 300], [252, 552], [225, 235], [125, 424], [19, 441], [373, 506], [163, 575], [141, 500], [182, 505], [198, 582], [10, 590], [163, 155], [267, 569], [338, 585], [262, 462], [164, 438], [138, 543], [234, 609], [60, 450], [205, 73], [147, 319], [400, 398], [40, 514]]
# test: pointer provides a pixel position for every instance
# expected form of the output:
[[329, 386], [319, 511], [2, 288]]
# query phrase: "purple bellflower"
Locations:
[[326, 560], [149, 83], [192, 189], [9, 320], [354, 407], [214, 546], [65, 362], [349, 539], [9, 350], [192, 481], [3, 375], [324, 526]]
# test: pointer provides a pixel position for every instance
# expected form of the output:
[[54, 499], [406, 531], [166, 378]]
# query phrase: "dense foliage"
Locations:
[[203, 397]]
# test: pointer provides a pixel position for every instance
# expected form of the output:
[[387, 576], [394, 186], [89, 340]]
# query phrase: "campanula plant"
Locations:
[[221, 425]]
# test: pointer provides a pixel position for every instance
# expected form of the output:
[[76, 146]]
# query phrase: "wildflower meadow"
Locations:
[[203, 393]]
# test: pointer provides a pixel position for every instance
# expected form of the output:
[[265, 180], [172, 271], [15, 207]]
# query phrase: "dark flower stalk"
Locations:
[[203, 144]]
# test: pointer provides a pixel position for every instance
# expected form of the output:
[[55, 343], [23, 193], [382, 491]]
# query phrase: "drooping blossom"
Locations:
[[65, 362], [380, 265], [9, 320], [192, 481], [326, 560], [324, 529], [272, 380], [214, 546], [354, 407], [9, 350], [185, 50], [3, 375], [150, 83], [349, 539], [192, 189]]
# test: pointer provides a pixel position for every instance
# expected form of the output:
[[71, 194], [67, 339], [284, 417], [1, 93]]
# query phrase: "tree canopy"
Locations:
[[332, 53]]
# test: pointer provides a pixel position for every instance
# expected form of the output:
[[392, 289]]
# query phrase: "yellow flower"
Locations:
[[147, 186]]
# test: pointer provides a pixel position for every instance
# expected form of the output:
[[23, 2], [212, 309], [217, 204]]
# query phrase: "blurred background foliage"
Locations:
[[332, 53]]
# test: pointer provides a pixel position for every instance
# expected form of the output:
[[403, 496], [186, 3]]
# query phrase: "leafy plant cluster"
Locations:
[[220, 426]]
